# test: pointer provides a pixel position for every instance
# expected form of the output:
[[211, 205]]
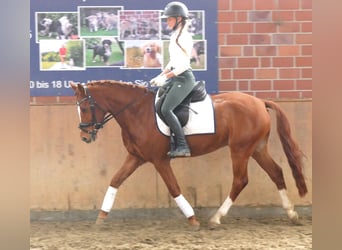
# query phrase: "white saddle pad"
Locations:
[[201, 122]]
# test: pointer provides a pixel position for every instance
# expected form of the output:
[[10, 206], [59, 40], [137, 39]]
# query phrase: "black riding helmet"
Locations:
[[175, 9]]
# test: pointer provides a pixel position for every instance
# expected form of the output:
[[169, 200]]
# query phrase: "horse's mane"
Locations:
[[115, 83]]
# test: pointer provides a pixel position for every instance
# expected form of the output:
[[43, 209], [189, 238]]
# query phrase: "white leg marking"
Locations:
[[222, 211], [109, 198], [184, 206], [287, 205]]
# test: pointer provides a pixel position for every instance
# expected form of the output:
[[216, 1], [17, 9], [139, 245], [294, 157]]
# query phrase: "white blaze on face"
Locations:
[[79, 112]]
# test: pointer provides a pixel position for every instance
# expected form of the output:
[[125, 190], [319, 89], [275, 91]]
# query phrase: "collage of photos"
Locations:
[[109, 36]]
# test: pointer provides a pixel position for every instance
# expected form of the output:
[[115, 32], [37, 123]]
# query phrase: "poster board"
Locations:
[[85, 40]]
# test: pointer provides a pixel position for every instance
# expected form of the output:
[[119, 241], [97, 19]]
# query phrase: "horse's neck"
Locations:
[[121, 99], [135, 112]]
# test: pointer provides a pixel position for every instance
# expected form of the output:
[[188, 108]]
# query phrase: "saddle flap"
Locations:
[[199, 92]]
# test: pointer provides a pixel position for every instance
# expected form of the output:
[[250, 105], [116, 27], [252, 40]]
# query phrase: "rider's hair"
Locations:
[[183, 23]]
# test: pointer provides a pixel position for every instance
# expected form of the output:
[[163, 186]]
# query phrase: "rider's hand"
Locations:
[[159, 80]]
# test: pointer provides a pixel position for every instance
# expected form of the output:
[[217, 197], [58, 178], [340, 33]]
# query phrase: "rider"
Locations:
[[177, 73]]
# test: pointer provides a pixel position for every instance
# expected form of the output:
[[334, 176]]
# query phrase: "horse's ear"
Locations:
[[77, 87], [73, 85], [81, 88]]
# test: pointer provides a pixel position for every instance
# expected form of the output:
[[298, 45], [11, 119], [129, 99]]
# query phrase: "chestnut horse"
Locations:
[[242, 123]]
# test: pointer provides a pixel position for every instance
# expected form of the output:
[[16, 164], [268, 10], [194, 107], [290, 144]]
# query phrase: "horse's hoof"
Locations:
[[293, 215], [99, 221], [195, 225], [100, 224], [214, 222], [296, 221], [213, 225]]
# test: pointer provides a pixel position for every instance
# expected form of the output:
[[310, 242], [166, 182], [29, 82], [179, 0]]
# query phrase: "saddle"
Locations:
[[197, 94]]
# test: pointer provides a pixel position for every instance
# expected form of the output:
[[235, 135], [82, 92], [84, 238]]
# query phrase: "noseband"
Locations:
[[94, 123]]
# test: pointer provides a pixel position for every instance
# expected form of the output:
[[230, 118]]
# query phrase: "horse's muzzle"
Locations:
[[88, 137]]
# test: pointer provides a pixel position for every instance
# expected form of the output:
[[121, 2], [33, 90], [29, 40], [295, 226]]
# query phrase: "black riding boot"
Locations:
[[182, 148]]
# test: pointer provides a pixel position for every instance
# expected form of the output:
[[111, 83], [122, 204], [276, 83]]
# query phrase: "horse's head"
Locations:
[[92, 116]]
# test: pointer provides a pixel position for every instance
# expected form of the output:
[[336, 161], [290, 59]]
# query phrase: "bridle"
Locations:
[[94, 123]]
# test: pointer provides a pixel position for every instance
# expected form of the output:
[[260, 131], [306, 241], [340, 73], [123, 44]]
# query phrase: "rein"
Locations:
[[98, 125]]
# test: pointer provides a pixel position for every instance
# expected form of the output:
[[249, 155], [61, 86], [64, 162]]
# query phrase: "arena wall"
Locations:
[[67, 173]]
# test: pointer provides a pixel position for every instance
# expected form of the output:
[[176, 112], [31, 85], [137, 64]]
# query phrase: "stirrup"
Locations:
[[183, 152]]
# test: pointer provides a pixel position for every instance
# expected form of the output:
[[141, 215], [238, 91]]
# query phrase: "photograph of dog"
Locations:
[[198, 57], [195, 25], [139, 25], [152, 57], [98, 21], [56, 25], [128, 28], [143, 54], [103, 51]]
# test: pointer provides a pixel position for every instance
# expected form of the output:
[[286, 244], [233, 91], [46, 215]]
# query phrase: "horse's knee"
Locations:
[[242, 182]]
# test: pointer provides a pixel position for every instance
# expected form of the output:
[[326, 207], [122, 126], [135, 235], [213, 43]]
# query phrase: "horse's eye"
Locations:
[[84, 110]]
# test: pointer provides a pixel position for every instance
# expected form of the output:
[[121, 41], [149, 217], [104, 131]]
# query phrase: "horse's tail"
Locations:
[[293, 154]]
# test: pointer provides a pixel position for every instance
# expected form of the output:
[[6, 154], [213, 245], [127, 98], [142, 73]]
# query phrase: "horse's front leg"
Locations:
[[165, 171], [130, 165]]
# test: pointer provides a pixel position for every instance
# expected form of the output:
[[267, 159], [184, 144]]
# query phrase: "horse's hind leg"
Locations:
[[130, 165], [275, 172], [240, 180]]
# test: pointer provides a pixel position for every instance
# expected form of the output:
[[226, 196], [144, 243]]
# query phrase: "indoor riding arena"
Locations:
[[264, 49]]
